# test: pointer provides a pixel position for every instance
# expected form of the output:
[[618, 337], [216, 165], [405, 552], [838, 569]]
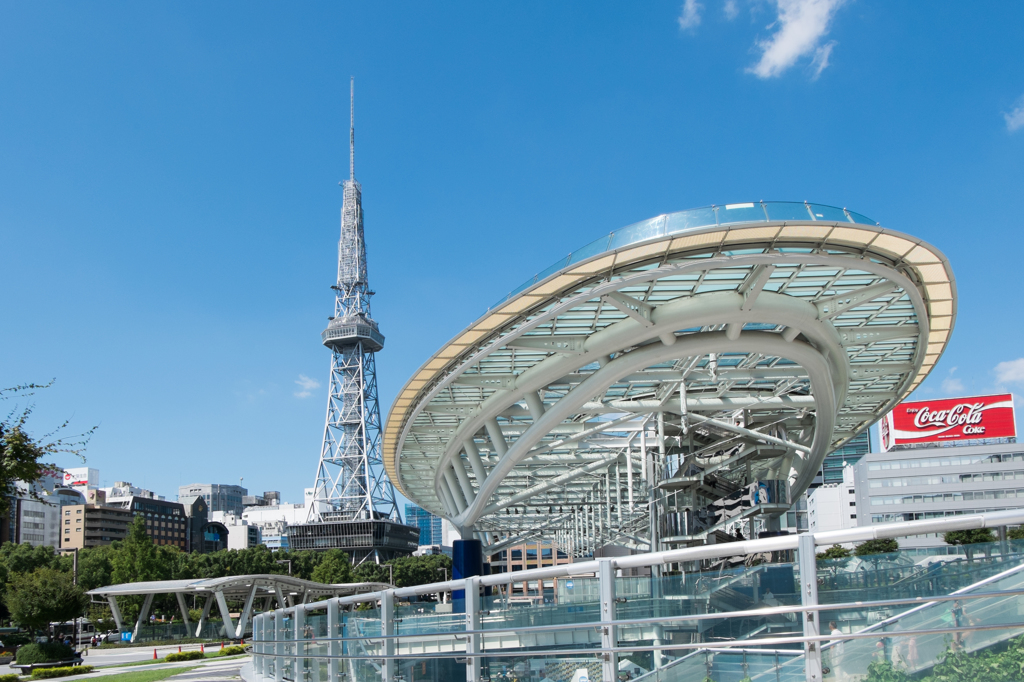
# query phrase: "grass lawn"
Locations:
[[146, 675]]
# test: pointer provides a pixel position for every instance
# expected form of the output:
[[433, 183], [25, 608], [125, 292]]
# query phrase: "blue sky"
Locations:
[[169, 204]]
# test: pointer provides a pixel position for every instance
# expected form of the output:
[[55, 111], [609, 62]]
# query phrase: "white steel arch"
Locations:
[[671, 366]]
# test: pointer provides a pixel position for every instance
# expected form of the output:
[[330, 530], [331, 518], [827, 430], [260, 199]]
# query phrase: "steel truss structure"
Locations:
[[350, 481], [671, 380]]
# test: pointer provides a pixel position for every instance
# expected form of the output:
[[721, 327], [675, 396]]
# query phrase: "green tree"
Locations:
[[44, 596], [334, 567], [967, 538], [835, 558], [21, 455], [883, 546], [135, 559], [834, 552], [1016, 534]]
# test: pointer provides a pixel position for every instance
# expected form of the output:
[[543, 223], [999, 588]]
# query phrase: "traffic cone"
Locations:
[[202, 649], [179, 649], [222, 646], [154, 654]]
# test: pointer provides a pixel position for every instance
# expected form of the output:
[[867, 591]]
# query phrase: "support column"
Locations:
[[206, 614], [472, 623], [387, 628], [225, 613], [809, 597], [467, 561], [143, 614], [116, 613], [184, 610], [243, 619], [333, 633], [609, 660]]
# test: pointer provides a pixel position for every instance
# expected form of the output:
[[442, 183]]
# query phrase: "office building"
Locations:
[[219, 497], [202, 535], [93, 525], [241, 533], [166, 523], [929, 483], [122, 490], [429, 524], [833, 506], [847, 455]]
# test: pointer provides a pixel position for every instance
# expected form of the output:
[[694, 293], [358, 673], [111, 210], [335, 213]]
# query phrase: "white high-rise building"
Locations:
[[833, 506]]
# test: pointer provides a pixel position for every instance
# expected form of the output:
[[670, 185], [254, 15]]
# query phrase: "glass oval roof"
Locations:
[[707, 216]]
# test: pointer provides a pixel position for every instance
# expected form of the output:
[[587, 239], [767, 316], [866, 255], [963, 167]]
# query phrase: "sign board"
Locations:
[[937, 421], [81, 477]]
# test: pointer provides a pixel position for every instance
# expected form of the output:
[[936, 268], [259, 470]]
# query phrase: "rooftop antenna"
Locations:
[[352, 129]]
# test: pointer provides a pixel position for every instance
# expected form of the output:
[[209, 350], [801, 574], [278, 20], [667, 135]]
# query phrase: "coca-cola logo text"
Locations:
[[968, 415]]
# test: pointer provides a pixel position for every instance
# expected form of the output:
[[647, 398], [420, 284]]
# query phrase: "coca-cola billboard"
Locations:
[[936, 421]]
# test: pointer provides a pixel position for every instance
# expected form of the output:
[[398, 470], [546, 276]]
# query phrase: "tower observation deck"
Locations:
[[353, 506]]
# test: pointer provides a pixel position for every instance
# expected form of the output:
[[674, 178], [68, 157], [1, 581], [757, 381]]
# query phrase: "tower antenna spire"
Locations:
[[352, 129]]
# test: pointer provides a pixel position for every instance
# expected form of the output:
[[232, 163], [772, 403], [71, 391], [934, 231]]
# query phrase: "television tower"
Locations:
[[350, 481]]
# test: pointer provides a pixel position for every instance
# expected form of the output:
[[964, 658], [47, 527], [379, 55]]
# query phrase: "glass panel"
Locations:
[[685, 220], [862, 219], [590, 250], [741, 213], [637, 232], [787, 210], [829, 213]]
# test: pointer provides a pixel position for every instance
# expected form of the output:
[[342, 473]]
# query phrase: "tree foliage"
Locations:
[[44, 596], [987, 665], [22, 456], [334, 567], [882, 546], [835, 552], [409, 570], [969, 537]]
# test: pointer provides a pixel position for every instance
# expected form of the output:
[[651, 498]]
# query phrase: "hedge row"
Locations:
[[184, 656], [46, 673]]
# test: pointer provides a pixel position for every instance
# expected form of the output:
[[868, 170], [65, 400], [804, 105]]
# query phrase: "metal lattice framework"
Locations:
[[683, 364], [350, 481]]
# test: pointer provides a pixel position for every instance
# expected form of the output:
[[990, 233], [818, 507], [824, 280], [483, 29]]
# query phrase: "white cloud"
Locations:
[[731, 9], [1011, 371], [950, 385], [306, 386], [821, 55], [1015, 119], [801, 26], [690, 15]]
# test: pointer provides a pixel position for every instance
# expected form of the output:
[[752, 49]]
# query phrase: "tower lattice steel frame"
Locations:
[[350, 481]]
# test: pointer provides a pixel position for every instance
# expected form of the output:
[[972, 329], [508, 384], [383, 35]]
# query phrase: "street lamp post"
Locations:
[[391, 573], [285, 561]]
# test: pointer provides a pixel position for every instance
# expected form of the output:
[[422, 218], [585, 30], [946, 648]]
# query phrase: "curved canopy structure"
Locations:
[[699, 363]]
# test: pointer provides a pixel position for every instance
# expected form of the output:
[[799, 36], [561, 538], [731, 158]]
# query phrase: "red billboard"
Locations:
[[935, 421]]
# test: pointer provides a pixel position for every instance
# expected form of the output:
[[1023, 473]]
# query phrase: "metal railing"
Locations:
[[620, 620]]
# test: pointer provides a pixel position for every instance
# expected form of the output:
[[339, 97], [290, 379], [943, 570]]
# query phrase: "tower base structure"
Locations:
[[373, 540]]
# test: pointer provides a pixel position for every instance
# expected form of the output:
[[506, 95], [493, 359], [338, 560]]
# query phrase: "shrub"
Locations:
[[45, 673], [13, 677], [44, 653], [226, 651], [184, 656]]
